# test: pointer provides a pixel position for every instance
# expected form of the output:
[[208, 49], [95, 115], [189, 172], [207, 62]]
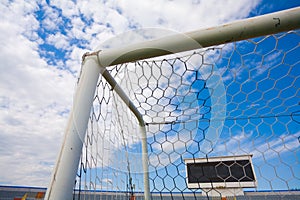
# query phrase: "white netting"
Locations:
[[236, 99]]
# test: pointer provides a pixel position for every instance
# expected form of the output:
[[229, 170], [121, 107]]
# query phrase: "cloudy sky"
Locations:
[[41, 47]]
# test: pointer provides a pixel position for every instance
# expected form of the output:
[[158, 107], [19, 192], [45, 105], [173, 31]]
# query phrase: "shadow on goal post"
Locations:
[[166, 122]]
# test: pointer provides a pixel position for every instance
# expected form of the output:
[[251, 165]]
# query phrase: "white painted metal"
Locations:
[[240, 30], [139, 117], [64, 174], [145, 163]]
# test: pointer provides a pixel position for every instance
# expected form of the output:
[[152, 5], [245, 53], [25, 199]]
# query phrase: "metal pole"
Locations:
[[145, 162], [240, 30], [139, 117], [64, 174]]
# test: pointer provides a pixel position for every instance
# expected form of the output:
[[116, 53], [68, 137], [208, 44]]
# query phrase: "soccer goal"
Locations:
[[144, 112]]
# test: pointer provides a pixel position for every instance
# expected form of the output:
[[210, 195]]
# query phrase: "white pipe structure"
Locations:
[[239, 30], [115, 86], [64, 174]]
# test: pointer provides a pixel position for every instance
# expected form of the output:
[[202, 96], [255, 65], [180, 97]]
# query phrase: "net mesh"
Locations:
[[241, 98]]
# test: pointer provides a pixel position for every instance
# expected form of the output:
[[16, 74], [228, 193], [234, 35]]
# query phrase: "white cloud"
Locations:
[[59, 40], [184, 15], [117, 22], [262, 147], [68, 7], [51, 19], [34, 97]]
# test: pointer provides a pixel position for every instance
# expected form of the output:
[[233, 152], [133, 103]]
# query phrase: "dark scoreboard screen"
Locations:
[[220, 171]]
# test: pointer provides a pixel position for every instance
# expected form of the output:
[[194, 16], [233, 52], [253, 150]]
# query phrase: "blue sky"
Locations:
[[41, 47]]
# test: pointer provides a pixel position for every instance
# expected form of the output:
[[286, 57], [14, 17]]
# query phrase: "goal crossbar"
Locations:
[[235, 31], [64, 173]]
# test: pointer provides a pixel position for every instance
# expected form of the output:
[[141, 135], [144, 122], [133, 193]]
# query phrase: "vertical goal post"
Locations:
[[94, 64]]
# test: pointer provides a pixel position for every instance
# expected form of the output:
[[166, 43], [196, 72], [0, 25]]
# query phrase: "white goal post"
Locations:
[[64, 172]]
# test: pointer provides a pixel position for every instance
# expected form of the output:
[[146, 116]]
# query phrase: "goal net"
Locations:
[[241, 98], [151, 118]]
